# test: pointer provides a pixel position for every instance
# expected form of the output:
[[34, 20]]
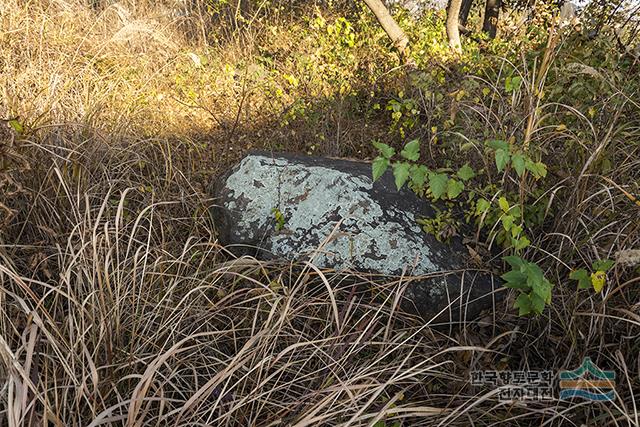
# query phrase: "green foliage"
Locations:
[[279, 218], [512, 83], [404, 113], [411, 151], [439, 184], [443, 226], [596, 279], [16, 126], [386, 151], [534, 289], [513, 217], [465, 173], [380, 165], [506, 154]]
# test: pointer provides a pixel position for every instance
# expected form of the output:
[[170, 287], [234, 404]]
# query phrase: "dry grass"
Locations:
[[119, 307]]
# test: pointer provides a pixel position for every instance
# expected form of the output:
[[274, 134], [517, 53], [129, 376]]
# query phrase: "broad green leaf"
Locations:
[[411, 151], [502, 159], [603, 264], [515, 262], [516, 230], [384, 149], [522, 243], [418, 175], [535, 277], [498, 144], [454, 188], [504, 204], [465, 173], [598, 280], [542, 169], [507, 222], [515, 279], [537, 303], [379, 166], [517, 160], [401, 173], [438, 184], [544, 290], [482, 205], [583, 278], [538, 169], [523, 304]]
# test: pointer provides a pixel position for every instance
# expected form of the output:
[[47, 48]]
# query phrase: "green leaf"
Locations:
[[542, 169], [465, 173], [545, 291], [515, 82], [517, 160], [603, 264], [384, 149], [598, 279], [379, 166], [401, 173], [538, 169], [535, 277], [507, 84], [454, 188], [16, 125], [522, 243], [502, 159], [529, 279], [504, 204], [515, 262], [279, 217], [515, 279], [411, 151], [498, 144], [482, 205], [523, 304], [418, 175], [507, 222], [583, 278], [537, 303], [438, 184]]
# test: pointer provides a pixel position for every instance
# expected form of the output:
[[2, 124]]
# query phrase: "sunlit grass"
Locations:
[[120, 307]]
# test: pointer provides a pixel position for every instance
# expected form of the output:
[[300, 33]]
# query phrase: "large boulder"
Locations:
[[337, 217]]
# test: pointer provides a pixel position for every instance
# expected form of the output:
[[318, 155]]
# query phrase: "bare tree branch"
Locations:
[[393, 30]]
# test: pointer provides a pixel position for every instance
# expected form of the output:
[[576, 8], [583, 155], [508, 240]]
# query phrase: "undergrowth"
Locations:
[[119, 307]]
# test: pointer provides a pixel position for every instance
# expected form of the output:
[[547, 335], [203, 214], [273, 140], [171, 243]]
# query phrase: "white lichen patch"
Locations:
[[314, 199]]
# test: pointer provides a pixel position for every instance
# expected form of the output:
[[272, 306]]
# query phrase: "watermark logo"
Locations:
[[588, 382], [517, 385]]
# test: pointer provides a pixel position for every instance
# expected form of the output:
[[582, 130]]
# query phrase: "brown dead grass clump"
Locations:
[[118, 305]]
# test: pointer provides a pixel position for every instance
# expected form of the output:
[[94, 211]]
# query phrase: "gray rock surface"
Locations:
[[338, 218]]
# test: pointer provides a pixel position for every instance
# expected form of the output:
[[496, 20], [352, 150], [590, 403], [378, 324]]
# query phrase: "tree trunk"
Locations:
[[464, 11], [453, 32], [389, 25], [491, 13]]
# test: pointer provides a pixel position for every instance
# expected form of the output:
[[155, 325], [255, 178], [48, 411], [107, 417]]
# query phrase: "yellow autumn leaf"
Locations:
[[597, 280]]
